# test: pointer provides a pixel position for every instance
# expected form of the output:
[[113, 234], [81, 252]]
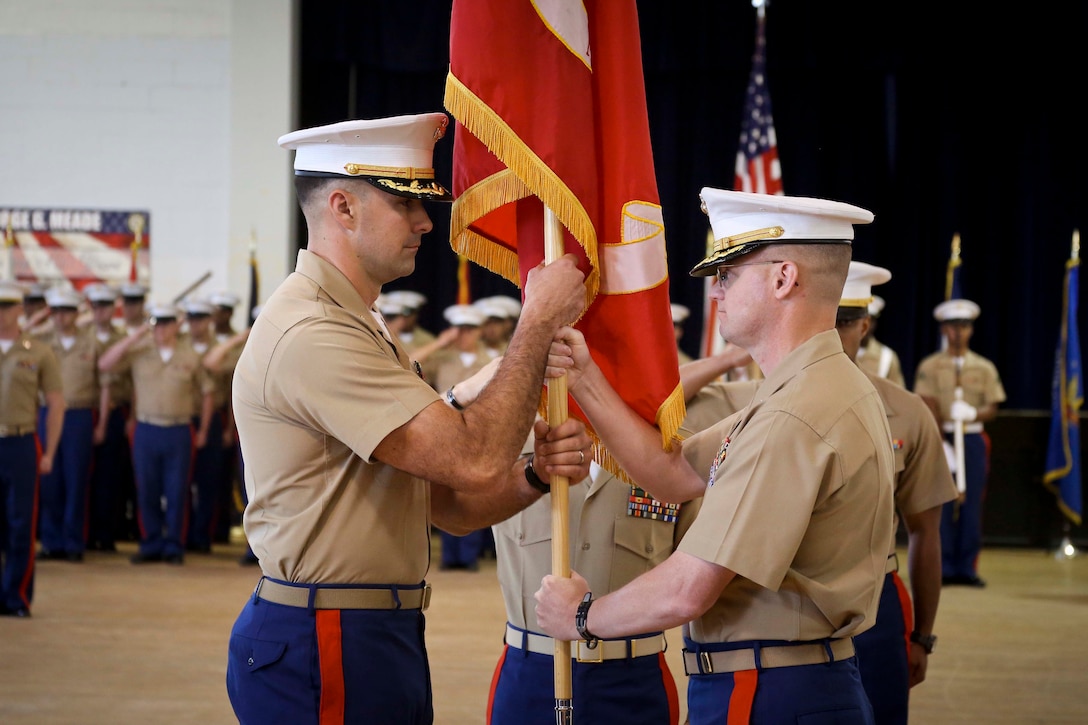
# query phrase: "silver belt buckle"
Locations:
[[705, 665]]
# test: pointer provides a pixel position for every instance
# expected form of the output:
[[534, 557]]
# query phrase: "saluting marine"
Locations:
[[167, 377], [64, 491], [113, 487]]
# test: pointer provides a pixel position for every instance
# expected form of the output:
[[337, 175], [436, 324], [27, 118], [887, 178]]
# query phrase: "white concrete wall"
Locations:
[[172, 106]]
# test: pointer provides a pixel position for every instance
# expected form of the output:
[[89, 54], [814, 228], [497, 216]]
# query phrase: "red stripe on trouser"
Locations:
[[495, 683], [908, 610], [744, 694], [28, 575], [669, 683], [330, 657]]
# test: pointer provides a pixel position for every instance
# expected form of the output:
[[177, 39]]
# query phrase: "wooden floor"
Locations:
[[110, 642]]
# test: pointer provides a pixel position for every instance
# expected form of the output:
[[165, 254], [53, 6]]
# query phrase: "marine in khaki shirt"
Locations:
[[28, 369], [941, 377], [168, 378], [350, 456], [64, 491], [785, 559], [618, 532], [923, 484], [113, 489]]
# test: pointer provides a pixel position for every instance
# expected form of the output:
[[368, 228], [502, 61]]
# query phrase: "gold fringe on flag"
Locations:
[[670, 416], [500, 139], [480, 199]]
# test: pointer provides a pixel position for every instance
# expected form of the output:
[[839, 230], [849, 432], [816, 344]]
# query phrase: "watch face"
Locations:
[[927, 641]]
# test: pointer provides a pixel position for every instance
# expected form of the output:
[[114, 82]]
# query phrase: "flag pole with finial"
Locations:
[[951, 281], [136, 226]]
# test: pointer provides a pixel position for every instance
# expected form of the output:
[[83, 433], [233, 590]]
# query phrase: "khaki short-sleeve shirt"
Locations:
[[715, 402], [452, 368], [316, 389], [220, 380], [609, 544], [78, 368], [881, 361], [936, 378], [922, 478], [28, 368], [120, 384], [166, 391], [799, 503]]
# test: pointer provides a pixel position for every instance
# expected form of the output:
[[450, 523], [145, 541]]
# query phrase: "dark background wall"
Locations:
[[938, 117]]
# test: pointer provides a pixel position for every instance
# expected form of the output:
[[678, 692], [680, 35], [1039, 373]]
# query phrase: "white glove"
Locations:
[[950, 456], [961, 410]]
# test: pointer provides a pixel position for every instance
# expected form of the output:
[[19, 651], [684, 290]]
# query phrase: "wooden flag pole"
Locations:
[[560, 492]]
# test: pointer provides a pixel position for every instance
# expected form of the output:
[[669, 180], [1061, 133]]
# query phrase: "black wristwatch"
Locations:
[[532, 478], [928, 641], [580, 618]]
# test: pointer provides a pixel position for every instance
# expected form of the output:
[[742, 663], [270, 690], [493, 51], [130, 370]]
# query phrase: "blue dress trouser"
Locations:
[[207, 479], [635, 691], [64, 489], [162, 456], [19, 460], [961, 524], [882, 654], [462, 550], [304, 667], [111, 468], [820, 694]]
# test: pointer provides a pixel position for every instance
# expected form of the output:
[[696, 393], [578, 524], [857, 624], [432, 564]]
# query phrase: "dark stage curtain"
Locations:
[[937, 117]]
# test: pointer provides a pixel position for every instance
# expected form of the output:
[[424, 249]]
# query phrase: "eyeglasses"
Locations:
[[722, 273]]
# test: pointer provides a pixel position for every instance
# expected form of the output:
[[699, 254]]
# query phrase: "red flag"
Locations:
[[550, 106], [757, 168]]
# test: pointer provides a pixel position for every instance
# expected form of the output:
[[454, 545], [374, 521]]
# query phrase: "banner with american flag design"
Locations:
[[75, 247], [550, 105]]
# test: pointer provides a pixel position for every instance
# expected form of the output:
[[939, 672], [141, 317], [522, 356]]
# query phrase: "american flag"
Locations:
[[757, 168]]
